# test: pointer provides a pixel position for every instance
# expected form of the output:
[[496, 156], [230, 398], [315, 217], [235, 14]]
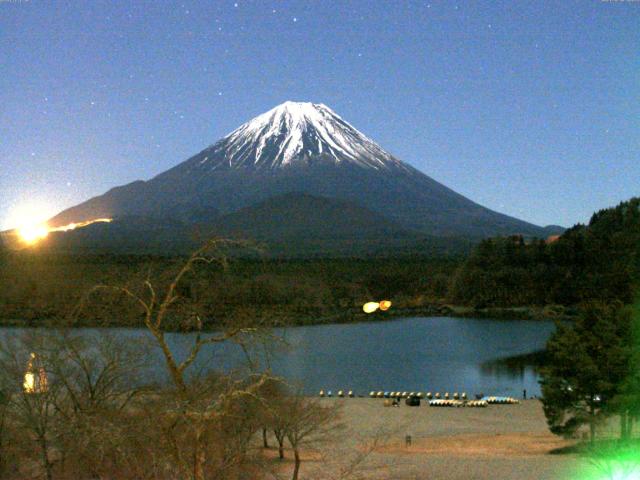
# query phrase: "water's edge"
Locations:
[[445, 354]]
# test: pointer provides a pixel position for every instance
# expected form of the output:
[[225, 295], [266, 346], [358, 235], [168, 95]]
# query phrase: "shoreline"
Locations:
[[344, 316]]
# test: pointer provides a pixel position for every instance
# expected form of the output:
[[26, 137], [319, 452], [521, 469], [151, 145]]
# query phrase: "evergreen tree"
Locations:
[[599, 261], [586, 366], [627, 402]]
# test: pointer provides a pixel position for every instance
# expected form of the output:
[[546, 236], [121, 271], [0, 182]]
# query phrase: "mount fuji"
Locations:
[[299, 150]]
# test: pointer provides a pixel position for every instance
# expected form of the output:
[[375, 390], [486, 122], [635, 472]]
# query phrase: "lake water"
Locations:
[[437, 354]]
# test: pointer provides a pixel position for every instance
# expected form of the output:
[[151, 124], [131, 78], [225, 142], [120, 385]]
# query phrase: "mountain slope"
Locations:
[[290, 225], [303, 216], [301, 147]]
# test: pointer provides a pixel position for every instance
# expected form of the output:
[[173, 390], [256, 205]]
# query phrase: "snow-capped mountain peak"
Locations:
[[296, 149], [298, 132]]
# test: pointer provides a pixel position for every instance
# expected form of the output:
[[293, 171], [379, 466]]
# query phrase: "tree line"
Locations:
[[43, 288], [599, 261], [591, 371]]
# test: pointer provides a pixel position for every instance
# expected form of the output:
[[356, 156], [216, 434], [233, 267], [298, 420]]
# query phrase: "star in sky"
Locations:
[[448, 81]]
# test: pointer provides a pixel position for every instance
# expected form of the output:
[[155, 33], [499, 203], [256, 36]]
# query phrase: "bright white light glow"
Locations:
[[29, 223], [370, 307], [29, 382], [27, 214], [31, 234], [626, 474]]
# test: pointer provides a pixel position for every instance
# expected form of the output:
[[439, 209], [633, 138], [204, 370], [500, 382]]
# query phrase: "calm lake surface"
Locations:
[[437, 354]]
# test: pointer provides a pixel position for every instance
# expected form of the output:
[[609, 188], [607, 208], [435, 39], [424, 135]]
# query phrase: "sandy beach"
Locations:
[[497, 442]]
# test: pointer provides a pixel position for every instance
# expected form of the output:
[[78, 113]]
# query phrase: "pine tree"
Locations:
[[627, 402], [586, 367]]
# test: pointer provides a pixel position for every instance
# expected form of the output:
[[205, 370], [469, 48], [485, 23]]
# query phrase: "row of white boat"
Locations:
[[458, 403], [436, 400], [483, 402], [428, 395]]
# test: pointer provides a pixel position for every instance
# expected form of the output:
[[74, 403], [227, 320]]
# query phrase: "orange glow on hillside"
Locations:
[[32, 233], [73, 226]]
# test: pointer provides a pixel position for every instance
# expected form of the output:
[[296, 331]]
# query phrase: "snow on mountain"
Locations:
[[299, 148], [296, 132]]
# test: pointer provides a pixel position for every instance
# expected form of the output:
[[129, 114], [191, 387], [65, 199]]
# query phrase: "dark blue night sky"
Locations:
[[529, 108]]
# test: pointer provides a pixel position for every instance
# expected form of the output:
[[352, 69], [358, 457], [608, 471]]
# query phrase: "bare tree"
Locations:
[[99, 377], [95, 419], [310, 423], [194, 411], [65, 394], [279, 422], [31, 410], [4, 429]]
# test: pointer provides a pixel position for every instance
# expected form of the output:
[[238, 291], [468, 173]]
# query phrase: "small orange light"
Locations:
[[385, 305]]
